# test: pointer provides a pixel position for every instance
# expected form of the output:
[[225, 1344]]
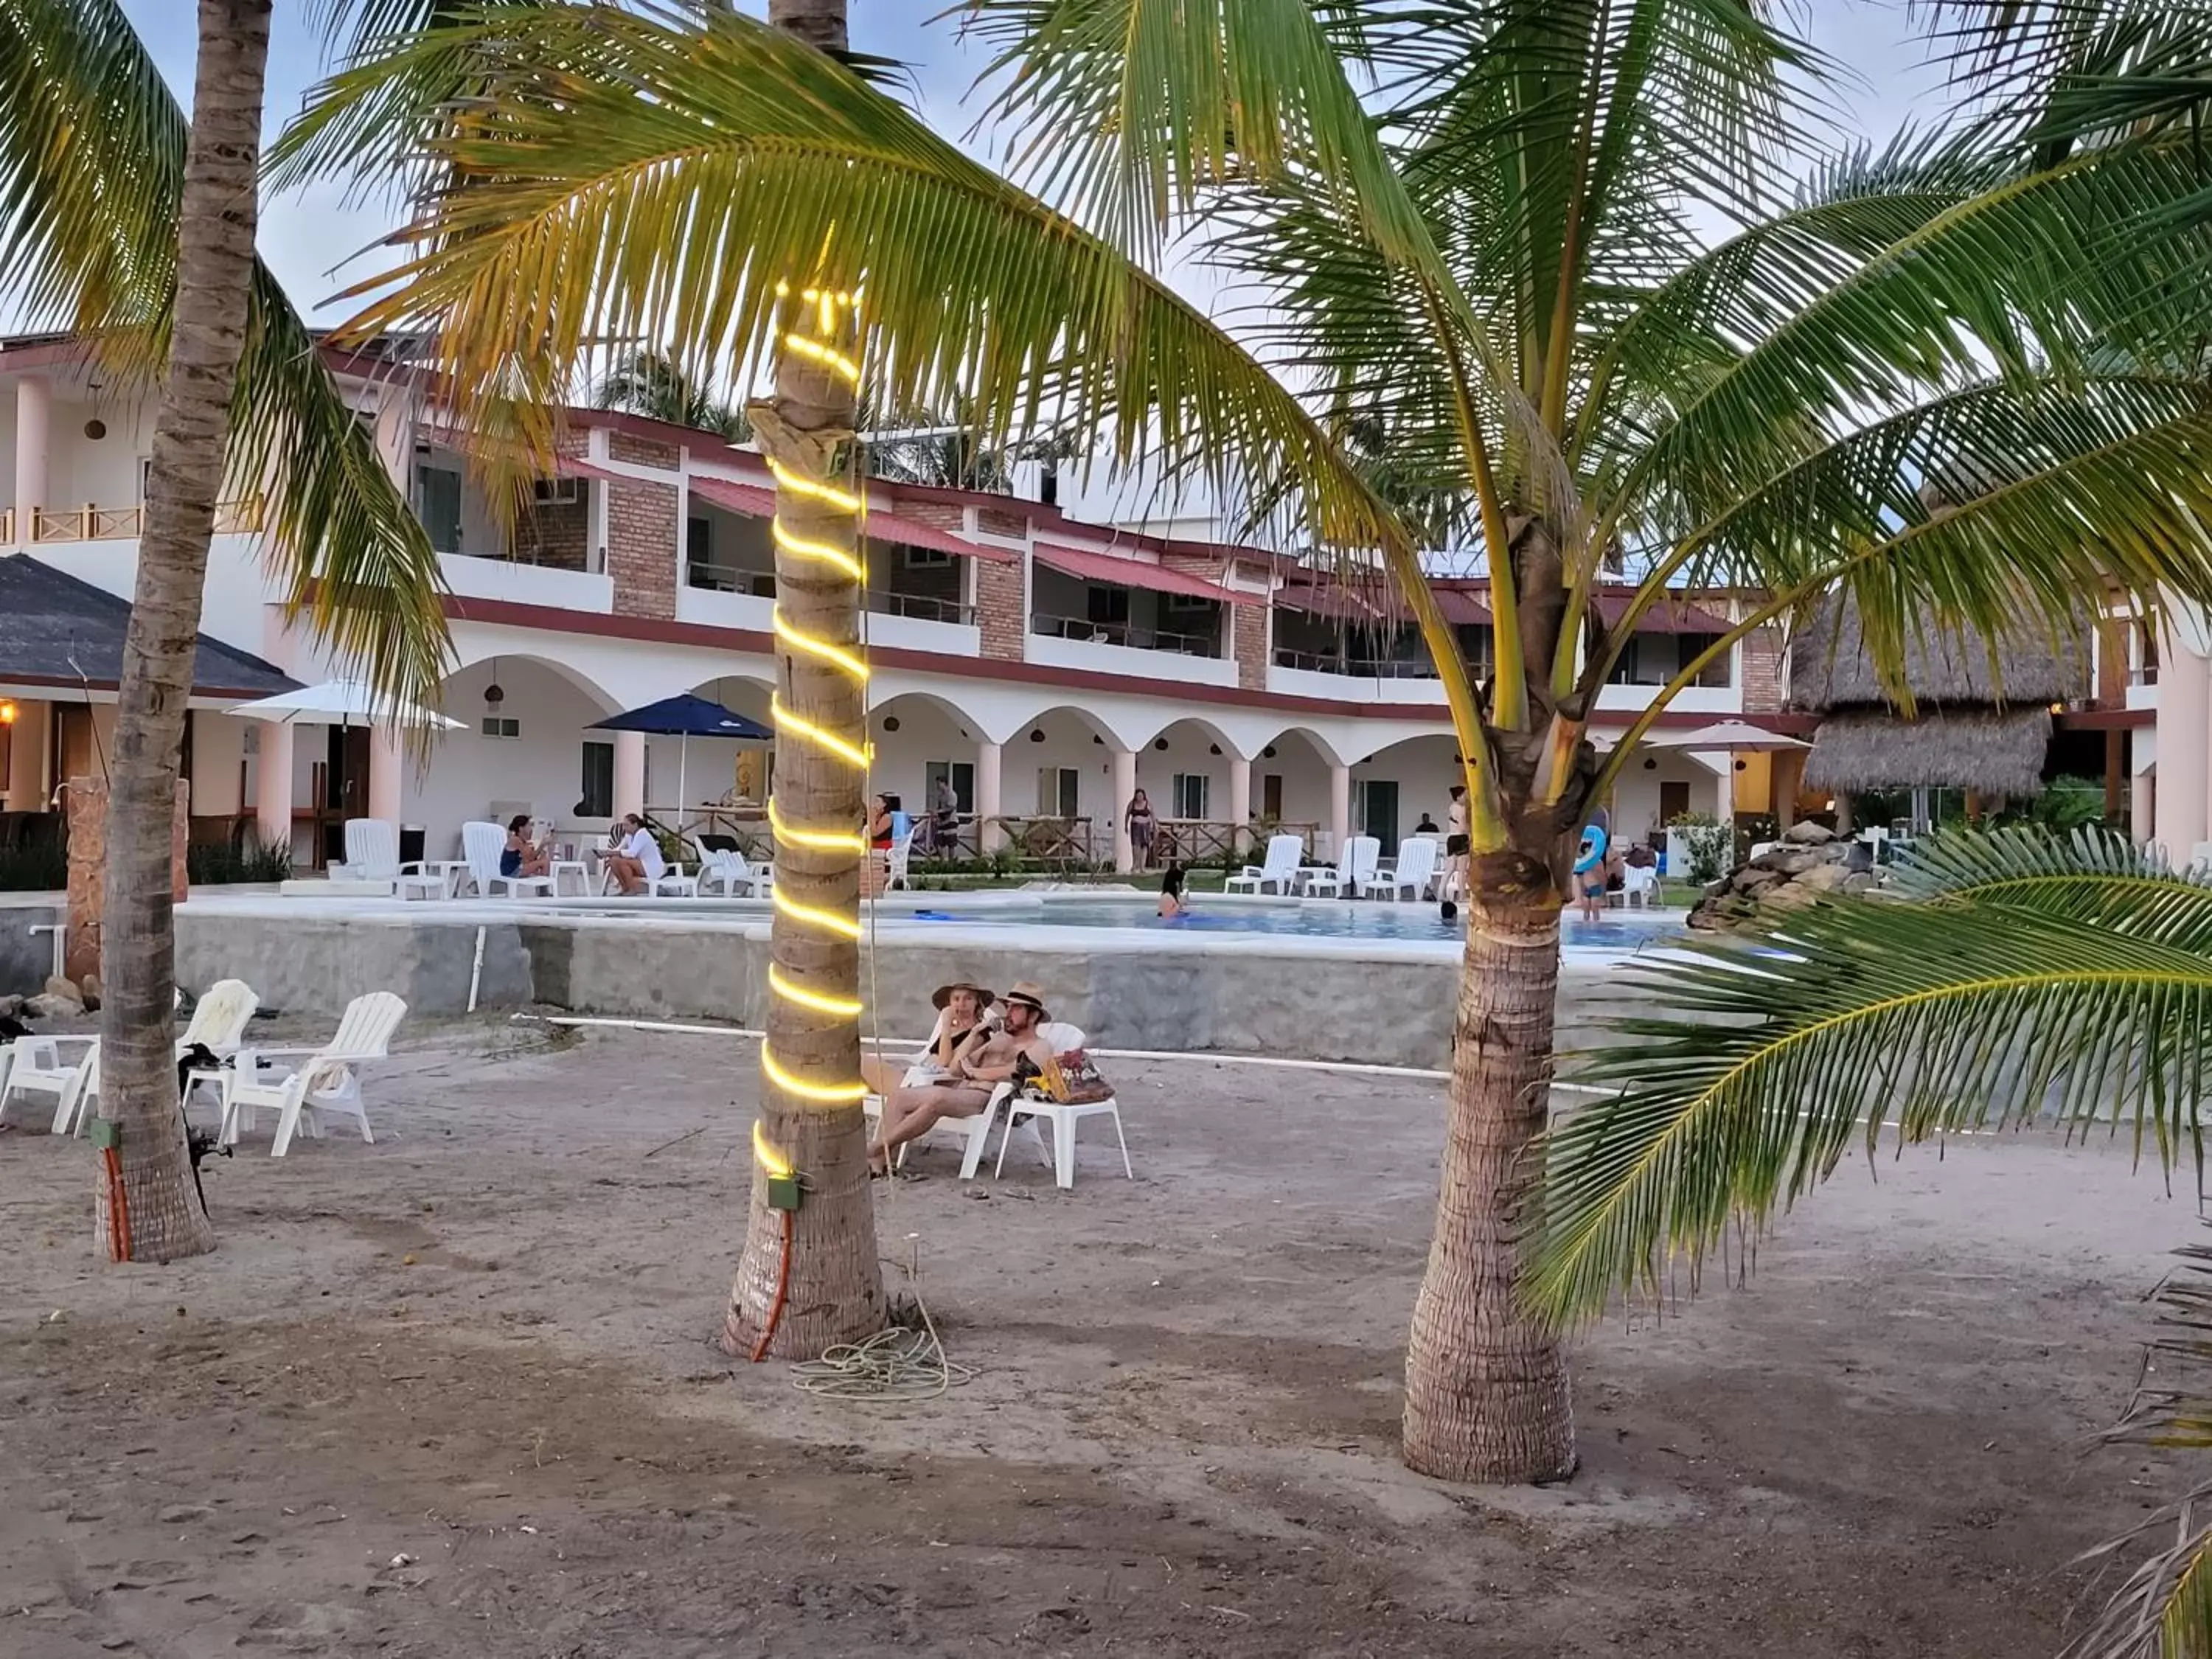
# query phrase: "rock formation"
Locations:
[[1809, 861]]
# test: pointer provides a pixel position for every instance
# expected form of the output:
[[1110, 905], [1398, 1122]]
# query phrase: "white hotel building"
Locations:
[[1049, 666]]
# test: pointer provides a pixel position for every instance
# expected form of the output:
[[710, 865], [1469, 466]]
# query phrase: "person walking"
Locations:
[[1144, 829]]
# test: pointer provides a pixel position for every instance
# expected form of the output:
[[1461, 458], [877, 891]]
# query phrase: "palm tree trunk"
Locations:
[[811, 1279], [137, 1024], [1487, 1393]]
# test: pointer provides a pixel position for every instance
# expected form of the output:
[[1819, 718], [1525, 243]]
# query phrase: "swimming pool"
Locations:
[[1627, 930]]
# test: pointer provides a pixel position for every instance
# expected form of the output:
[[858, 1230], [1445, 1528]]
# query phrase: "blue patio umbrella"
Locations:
[[685, 717]]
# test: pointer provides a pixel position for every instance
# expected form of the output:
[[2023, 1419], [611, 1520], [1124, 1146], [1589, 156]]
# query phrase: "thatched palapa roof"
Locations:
[[1997, 754], [1831, 670]]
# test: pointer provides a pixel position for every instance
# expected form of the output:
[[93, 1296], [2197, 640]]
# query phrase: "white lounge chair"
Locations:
[[326, 1079], [1408, 876], [1280, 871], [1354, 871], [726, 868], [974, 1134], [372, 854], [481, 845], [1063, 1116]]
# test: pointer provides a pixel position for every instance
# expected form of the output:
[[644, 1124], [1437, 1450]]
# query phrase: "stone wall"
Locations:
[[1125, 995], [88, 867]]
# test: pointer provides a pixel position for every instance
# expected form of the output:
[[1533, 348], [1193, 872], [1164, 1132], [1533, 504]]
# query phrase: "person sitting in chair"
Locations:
[[639, 865], [1016, 1050], [521, 856]]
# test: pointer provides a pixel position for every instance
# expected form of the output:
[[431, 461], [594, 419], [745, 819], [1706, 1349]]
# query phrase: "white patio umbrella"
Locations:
[[342, 703], [1740, 737]]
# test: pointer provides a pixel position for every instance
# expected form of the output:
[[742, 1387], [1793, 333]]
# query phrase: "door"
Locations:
[[345, 787], [1056, 791], [1673, 801], [1378, 812], [962, 774], [1271, 797]]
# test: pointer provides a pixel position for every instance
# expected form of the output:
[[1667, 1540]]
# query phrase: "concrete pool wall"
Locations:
[[1382, 1002]]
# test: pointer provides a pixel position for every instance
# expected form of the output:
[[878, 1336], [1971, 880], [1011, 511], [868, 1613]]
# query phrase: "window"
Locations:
[[699, 541], [1188, 794], [598, 799], [502, 725], [438, 505], [1058, 792], [915, 558], [962, 774], [1108, 605]]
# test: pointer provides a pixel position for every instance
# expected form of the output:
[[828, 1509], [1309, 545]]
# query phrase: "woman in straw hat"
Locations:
[[964, 1010], [911, 1111]]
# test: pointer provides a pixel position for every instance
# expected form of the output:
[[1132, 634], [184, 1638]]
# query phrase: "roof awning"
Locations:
[[1132, 573], [1461, 607], [1376, 605], [1669, 615], [884, 525], [56, 630]]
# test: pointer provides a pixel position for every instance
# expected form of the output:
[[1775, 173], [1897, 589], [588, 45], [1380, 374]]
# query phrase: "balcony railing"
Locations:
[[730, 579], [1084, 630], [1365, 668], [922, 607], [91, 523]]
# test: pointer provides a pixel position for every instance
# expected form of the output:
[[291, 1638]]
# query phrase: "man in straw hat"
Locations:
[[964, 1087]]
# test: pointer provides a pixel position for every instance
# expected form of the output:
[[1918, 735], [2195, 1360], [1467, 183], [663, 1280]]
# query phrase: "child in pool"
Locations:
[[1171, 893]]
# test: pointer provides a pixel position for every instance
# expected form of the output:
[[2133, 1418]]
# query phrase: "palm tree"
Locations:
[[137, 231], [1487, 268], [2024, 975], [644, 382]]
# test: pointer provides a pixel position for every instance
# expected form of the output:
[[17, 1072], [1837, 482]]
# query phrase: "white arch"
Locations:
[[474, 653]]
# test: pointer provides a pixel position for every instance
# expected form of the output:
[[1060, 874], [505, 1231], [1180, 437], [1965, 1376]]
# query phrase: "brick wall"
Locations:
[[643, 452], [998, 522], [1251, 624], [641, 547], [937, 515], [1001, 609], [1760, 661], [556, 536]]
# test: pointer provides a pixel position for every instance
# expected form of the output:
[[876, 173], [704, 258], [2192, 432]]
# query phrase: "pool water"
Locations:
[[1619, 930]]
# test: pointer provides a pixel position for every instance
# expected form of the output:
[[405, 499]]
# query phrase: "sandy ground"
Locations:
[[1180, 1440]]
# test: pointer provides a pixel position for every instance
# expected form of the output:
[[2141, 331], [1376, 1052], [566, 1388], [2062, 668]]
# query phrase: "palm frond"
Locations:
[[2163, 1608], [91, 148], [683, 175], [2093, 876], [1781, 1048]]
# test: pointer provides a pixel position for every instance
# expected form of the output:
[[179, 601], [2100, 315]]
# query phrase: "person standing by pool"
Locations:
[[1590, 866], [944, 816], [1143, 828], [1453, 882]]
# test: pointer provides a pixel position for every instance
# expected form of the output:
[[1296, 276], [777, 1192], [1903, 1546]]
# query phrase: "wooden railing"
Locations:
[[1211, 840], [94, 523]]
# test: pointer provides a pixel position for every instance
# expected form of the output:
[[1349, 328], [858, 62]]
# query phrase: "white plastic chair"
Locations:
[[481, 845], [1410, 875], [1279, 870], [218, 1024], [372, 854], [36, 1066], [326, 1080], [901, 854], [726, 868], [1062, 1115], [974, 1134], [1639, 886]]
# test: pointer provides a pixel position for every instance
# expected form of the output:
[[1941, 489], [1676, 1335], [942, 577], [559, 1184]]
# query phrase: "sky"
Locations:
[[308, 238]]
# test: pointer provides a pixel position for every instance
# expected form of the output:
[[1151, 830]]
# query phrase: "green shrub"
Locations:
[[218, 863]]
